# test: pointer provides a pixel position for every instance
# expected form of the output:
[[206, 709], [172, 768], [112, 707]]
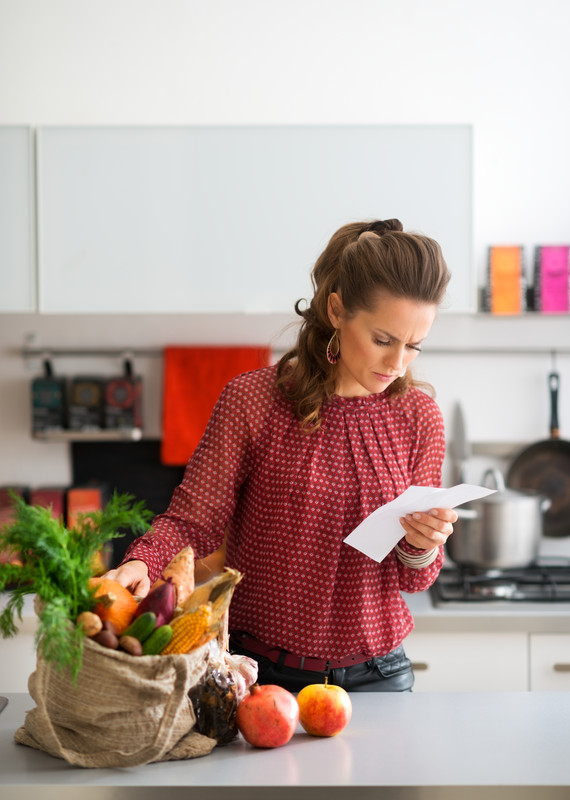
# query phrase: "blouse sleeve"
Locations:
[[203, 503], [427, 470]]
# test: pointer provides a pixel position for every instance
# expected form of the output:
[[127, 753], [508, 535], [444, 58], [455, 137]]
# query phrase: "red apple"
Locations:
[[267, 716], [324, 709]]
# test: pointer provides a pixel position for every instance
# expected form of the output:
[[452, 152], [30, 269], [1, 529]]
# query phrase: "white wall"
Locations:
[[500, 66]]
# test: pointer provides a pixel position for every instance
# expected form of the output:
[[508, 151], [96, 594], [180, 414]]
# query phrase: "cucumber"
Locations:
[[157, 640], [142, 627]]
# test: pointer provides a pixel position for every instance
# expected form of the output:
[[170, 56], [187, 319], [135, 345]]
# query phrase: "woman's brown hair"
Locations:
[[360, 259]]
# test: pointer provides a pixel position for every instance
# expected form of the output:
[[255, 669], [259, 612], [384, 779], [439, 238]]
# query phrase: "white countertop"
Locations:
[[487, 616], [439, 742]]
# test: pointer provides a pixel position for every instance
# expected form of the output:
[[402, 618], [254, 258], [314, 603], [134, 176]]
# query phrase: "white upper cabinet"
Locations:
[[232, 218], [17, 250]]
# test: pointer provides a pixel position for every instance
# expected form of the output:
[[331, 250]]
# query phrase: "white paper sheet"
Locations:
[[381, 530]]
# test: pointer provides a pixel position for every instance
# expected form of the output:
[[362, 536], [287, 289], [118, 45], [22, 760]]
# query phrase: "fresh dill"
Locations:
[[56, 566]]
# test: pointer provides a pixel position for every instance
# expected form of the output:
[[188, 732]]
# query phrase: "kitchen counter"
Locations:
[[487, 616], [428, 746]]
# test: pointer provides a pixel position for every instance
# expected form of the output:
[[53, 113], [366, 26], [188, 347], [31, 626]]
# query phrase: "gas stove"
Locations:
[[545, 581]]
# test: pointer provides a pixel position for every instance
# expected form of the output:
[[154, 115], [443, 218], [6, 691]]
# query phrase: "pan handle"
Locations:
[[467, 513], [554, 384]]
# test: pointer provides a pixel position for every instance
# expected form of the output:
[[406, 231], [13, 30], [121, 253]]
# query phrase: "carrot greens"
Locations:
[[56, 565]]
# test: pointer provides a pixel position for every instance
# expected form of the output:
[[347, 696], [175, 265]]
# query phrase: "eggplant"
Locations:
[[161, 601]]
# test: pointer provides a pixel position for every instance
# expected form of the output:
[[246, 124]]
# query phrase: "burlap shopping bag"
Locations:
[[123, 711]]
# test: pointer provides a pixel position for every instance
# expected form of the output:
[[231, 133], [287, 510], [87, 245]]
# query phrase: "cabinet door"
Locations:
[[212, 219], [469, 662], [17, 250], [550, 662], [18, 659]]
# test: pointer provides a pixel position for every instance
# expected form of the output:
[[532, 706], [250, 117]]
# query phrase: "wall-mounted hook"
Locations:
[[47, 365], [128, 363]]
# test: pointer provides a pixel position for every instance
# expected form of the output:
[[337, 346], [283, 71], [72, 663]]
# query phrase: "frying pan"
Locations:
[[544, 467]]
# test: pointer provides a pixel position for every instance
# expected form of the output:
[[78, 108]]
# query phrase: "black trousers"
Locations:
[[390, 673]]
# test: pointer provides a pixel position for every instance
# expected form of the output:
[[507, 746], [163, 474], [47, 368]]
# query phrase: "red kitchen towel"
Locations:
[[193, 380]]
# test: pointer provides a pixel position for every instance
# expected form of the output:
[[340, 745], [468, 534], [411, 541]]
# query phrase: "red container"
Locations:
[[7, 517], [49, 497]]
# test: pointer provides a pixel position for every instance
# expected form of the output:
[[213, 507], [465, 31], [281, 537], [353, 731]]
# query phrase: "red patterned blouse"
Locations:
[[289, 499]]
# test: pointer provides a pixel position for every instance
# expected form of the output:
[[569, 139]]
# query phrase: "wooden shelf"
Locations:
[[498, 449], [119, 435]]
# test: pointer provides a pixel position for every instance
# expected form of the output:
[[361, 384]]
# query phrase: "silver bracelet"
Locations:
[[416, 562]]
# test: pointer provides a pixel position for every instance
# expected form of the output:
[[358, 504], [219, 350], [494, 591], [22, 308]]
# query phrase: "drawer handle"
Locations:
[[421, 666], [562, 668]]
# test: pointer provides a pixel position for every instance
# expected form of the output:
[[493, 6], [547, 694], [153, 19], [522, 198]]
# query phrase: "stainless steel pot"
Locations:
[[500, 531]]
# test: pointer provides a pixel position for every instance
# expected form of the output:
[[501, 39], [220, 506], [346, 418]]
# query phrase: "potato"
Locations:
[[130, 644], [90, 622], [107, 639]]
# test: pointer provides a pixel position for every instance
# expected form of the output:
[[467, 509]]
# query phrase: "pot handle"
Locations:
[[466, 513], [545, 503], [497, 477]]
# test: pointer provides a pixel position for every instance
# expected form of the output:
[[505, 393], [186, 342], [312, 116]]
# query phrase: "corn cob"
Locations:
[[189, 630], [218, 589]]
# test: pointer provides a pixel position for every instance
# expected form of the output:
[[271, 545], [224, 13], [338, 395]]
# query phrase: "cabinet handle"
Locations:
[[421, 666], [562, 668]]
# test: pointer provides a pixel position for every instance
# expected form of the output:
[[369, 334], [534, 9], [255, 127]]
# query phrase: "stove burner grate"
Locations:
[[543, 581]]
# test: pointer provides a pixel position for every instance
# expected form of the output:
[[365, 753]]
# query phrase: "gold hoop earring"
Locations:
[[333, 349]]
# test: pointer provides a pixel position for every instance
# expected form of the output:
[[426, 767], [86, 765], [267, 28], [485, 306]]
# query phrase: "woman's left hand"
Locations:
[[428, 530]]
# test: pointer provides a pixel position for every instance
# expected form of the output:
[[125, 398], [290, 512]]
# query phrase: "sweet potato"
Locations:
[[130, 645], [181, 572], [107, 639]]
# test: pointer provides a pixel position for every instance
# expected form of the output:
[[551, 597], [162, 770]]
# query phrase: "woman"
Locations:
[[297, 454]]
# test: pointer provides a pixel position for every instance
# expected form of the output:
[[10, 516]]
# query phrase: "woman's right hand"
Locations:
[[133, 575]]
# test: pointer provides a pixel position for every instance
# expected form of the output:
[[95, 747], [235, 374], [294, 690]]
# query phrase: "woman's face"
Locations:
[[376, 346]]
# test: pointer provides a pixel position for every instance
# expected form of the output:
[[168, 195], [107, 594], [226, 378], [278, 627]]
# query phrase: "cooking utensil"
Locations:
[[48, 400], [460, 450], [545, 468], [85, 403], [499, 531]]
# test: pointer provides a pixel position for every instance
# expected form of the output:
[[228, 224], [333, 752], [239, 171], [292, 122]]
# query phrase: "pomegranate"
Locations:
[[267, 716]]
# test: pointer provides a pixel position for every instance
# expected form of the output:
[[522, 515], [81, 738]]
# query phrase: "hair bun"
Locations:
[[381, 226]]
